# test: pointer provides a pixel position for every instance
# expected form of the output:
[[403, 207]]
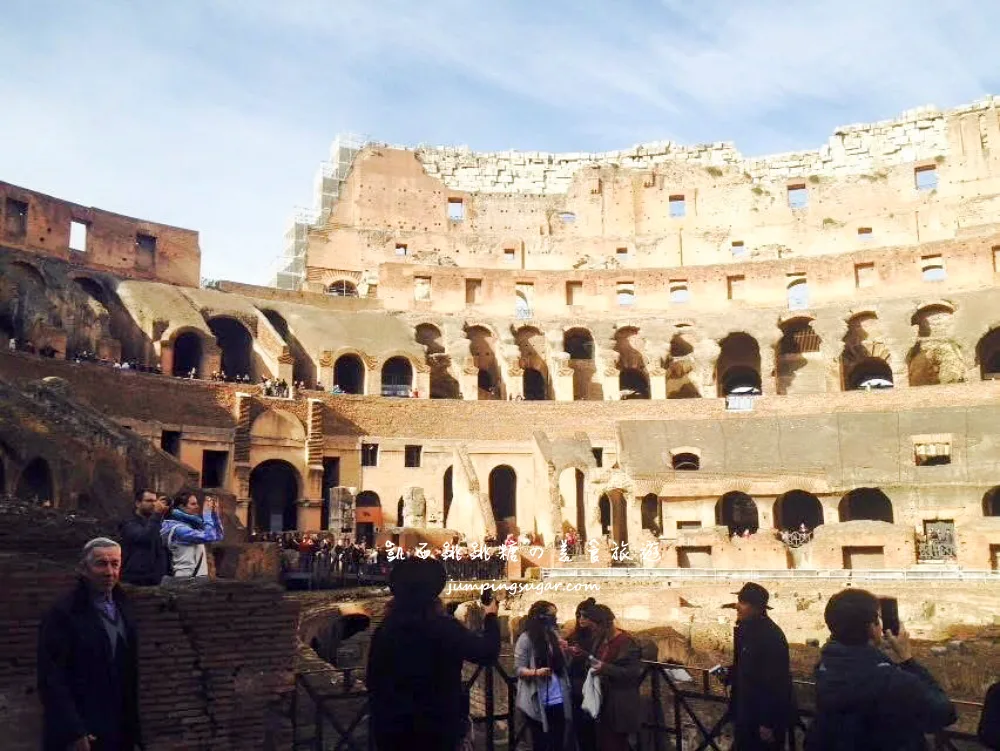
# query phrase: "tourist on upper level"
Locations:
[[186, 532], [870, 692], [617, 663], [87, 661], [762, 699], [580, 647], [543, 689], [145, 558], [415, 661]]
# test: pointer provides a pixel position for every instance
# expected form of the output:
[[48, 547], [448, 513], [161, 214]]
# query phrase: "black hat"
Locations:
[[417, 581], [753, 594]]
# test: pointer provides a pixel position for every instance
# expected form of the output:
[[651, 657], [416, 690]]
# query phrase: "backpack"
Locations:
[[989, 721]]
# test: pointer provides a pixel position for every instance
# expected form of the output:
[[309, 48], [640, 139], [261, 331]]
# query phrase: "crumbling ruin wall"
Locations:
[[215, 656]]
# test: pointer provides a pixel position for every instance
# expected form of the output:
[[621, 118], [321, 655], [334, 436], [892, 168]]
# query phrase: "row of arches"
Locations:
[[396, 375], [800, 509], [34, 483]]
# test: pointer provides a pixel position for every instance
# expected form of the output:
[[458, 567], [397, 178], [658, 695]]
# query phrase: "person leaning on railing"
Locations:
[[870, 692]]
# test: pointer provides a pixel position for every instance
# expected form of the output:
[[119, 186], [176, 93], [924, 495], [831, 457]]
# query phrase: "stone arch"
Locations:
[[604, 514], [988, 355], [737, 511], [870, 373], [799, 369], [447, 493], [935, 361], [572, 499], [651, 512], [532, 349], [865, 360], [397, 376], [443, 383], [865, 503], [303, 367], [274, 493], [737, 370], [482, 349], [349, 373], [30, 270], [188, 353], [991, 502], [935, 319], [616, 505], [578, 343], [633, 379], [278, 424], [503, 498], [342, 288], [35, 482], [685, 459], [633, 384], [681, 365], [796, 508], [235, 341]]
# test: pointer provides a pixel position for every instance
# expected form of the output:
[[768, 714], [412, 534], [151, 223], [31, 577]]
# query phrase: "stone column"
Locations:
[[561, 374], [167, 357], [373, 376], [469, 380], [657, 382]]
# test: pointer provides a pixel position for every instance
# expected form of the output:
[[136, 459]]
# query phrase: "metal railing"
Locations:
[[330, 709], [771, 574]]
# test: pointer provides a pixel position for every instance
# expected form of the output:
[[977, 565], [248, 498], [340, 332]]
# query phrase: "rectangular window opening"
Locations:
[[421, 288], [401, 249], [678, 207], [864, 275], [798, 196], [411, 457], [456, 209], [625, 293], [621, 253], [170, 441], [865, 234], [739, 250], [15, 217], [735, 286], [863, 557], [78, 235], [473, 291], [213, 468], [683, 525], [598, 456], [145, 251], [574, 293], [926, 177], [932, 451], [369, 454], [932, 269], [798, 292], [694, 557], [679, 292], [509, 255]]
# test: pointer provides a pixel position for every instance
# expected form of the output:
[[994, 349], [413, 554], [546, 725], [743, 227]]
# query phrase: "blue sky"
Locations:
[[214, 114]]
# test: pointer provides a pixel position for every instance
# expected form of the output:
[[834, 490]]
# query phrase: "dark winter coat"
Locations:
[[415, 677], [620, 677], [84, 690], [864, 702], [145, 558], [761, 680]]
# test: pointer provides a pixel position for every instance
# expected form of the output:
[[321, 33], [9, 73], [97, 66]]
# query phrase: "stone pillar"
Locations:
[[211, 359], [765, 512], [166, 357], [324, 373], [768, 369], [373, 376], [657, 382], [469, 380], [561, 375], [414, 508], [422, 380], [309, 515], [286, 369]]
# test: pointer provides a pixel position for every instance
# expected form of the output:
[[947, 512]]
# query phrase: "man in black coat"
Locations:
[[762, 701], [87, 661], [145, 557], [415, 661], [871, 695]]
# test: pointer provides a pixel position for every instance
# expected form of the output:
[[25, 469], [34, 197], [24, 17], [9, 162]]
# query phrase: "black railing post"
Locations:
[[491, 709], [511, 696], [678, 730], [318, 730], [657, 711], [295, 715]]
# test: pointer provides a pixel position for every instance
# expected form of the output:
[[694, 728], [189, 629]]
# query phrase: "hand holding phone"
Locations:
[[889, 607]]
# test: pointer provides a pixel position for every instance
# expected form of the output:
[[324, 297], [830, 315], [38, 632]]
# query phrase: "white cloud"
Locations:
[[213, 114]]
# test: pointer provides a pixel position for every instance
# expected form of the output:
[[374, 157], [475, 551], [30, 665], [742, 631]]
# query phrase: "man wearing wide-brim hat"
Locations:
[[762, 700]]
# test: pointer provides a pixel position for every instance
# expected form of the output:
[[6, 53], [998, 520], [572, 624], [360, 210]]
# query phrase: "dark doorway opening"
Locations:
[[274, 490], [187, 355], [349, 374]]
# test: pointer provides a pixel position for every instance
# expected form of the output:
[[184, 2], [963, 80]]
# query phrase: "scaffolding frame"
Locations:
[[288, 271]]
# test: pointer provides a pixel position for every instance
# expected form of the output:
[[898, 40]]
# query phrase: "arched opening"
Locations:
[[579, 345], [685, 462], [988, 355], [364, 531], [604, 512], [798, 373], [865, 503], [397, 377], [429, 337], [91, 288], [798, 510], [443, 384], [342, 288], [737, 512], [870, 374], [448, 492], [349, 374], [236, 344], [35, 482], [651, 511], [571, 489], [187, 355], [274, 491], [303, 368], [680, 368], [737, 371], [400, 512], [503, 499], [633, 384], [482, 351], [991, 502], [798, 294], [619, 516], [534, 385]]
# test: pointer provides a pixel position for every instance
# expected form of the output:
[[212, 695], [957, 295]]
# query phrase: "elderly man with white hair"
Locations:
[[87, 661]]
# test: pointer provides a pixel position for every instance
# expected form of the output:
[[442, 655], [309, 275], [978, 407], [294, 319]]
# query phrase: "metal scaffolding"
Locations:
[[289, 269]]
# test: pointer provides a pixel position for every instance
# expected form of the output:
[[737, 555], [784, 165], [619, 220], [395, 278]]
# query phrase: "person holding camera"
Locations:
[[145, 558], [762, 699], [543, 689], [187, 531], [870, 692]]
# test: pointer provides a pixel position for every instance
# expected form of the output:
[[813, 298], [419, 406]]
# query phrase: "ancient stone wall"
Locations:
[[128, 247]]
